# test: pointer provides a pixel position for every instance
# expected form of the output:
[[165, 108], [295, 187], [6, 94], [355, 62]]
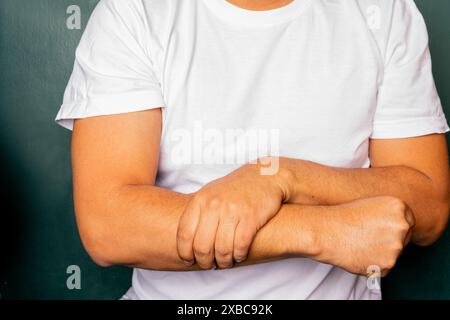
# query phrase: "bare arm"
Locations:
[[124, 219], [142, 226], [414, 170]]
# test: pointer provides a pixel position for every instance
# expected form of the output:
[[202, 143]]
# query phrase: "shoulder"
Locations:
[[143, 20], [389, 10], [392, 21]]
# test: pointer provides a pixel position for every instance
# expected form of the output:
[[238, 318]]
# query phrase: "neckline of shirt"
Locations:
[[251, 18]]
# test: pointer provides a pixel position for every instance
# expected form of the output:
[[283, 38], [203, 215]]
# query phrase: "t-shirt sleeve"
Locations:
[[113, 71], [408, 103]]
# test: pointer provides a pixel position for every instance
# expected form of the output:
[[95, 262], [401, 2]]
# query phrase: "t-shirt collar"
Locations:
[[236, 15]]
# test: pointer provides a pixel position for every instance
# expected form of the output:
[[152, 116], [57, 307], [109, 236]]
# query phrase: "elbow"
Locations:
[[98, 228], [98, 242], [100, 258], [436, 226], [97, 248], [100, 261]]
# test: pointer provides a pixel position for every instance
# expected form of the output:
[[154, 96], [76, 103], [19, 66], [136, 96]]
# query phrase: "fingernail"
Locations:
[[239, 260], [188, 263]]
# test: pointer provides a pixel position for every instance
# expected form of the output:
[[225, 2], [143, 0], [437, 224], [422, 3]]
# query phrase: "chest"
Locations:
[[314, 86], [307, 73]]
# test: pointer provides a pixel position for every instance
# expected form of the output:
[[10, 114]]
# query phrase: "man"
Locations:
[[339, 94]]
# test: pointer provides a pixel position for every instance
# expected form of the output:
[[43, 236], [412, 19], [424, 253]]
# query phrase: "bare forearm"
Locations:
[[132, 225], [142, 227], [317, 184]]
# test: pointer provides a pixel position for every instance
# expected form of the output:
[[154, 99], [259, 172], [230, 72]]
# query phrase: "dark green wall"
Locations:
[[38, 236], [38, 231]]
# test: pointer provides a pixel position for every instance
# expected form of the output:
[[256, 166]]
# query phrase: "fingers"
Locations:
[[408, 237], [224, 243], [205, 238], [208, 231], [243, 238], [186, 232], [385, 272], [409, 216]]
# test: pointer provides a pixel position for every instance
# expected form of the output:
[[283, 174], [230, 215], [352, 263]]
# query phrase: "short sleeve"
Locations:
[[113, 71], [408, 104]]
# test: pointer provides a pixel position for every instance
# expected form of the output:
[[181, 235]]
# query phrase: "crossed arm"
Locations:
[[351, 218]]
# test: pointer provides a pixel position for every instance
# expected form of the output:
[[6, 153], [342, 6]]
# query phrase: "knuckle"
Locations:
[[410, 219], [202, 250], [247, 237], [241, 247], [183, 235], [184, 255], [199, 197], [405, 226], [397, 247], [389, 263], [402, 226], [224, 261], [223, 253], [232, 206], [397, 206], [213, 203]]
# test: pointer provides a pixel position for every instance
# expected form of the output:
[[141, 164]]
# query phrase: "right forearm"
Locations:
[[294, 232], [142, 227], [354, 236], [140, 230], [132, 225]]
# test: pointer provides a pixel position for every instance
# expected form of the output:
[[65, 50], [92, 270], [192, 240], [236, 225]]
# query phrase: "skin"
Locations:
[[207, 230], [124, 219], [350, 218], [260, 4], [421, 181]]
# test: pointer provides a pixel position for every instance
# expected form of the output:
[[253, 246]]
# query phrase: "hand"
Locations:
[[366, 232], [222, 219]]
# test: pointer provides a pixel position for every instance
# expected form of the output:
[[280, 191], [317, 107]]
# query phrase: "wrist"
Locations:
[[329, 232], [284, 178], [281, 176], [306, 231], [301, 186]]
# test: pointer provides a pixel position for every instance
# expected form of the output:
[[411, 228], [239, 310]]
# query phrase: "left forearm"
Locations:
[[313, 183]]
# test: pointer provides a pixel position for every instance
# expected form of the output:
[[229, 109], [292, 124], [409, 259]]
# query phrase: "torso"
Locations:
[[305, 87]]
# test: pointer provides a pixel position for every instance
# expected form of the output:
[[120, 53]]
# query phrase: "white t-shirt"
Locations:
[[313, 80]]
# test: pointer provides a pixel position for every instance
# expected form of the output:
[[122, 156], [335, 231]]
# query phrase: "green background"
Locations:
[[38, 235]]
